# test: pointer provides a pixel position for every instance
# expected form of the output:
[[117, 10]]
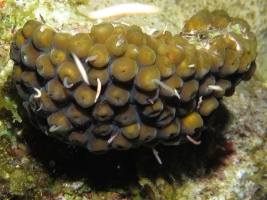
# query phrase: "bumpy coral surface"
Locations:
[[118, 87]]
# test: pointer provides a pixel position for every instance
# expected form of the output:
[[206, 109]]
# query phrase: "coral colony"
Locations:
[[117, 87]]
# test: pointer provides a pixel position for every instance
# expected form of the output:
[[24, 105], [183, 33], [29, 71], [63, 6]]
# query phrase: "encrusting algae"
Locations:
[[109, 88]]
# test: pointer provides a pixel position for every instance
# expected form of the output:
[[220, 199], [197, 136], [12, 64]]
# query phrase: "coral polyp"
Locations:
[[117, 87]]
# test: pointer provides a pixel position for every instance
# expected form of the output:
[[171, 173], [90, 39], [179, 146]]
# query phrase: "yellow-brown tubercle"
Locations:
[[141, 90]]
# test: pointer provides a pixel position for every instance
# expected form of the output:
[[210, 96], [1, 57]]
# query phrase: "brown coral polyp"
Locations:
[[141, 90]]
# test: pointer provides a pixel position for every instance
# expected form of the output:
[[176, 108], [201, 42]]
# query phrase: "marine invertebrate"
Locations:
[[118, 87], [120, 10]]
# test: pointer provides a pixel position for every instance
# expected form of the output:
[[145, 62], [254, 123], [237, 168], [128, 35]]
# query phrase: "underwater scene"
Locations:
[[118, 99]]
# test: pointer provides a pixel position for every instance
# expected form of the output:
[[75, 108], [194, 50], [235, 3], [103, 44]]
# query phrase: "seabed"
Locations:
[[231, 163]]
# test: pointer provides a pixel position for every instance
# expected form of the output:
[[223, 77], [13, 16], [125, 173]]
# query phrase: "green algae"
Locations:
[[8, 22], [18, 173], [21, 182]]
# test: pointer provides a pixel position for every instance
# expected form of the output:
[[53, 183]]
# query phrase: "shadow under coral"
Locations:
[[124, 168]]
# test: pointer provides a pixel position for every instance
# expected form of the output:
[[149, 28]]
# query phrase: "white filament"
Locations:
[[40, 108], [91, 58], [39, 93], [98, 89], [177, 94], [81, 68], [156, 154], [65, 82], [150, 101], [166, 87], [112, 138], [191, 66], [215, 87], [190, 139], [54, 128], [158, 33], [120, 41], [199, 101]]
